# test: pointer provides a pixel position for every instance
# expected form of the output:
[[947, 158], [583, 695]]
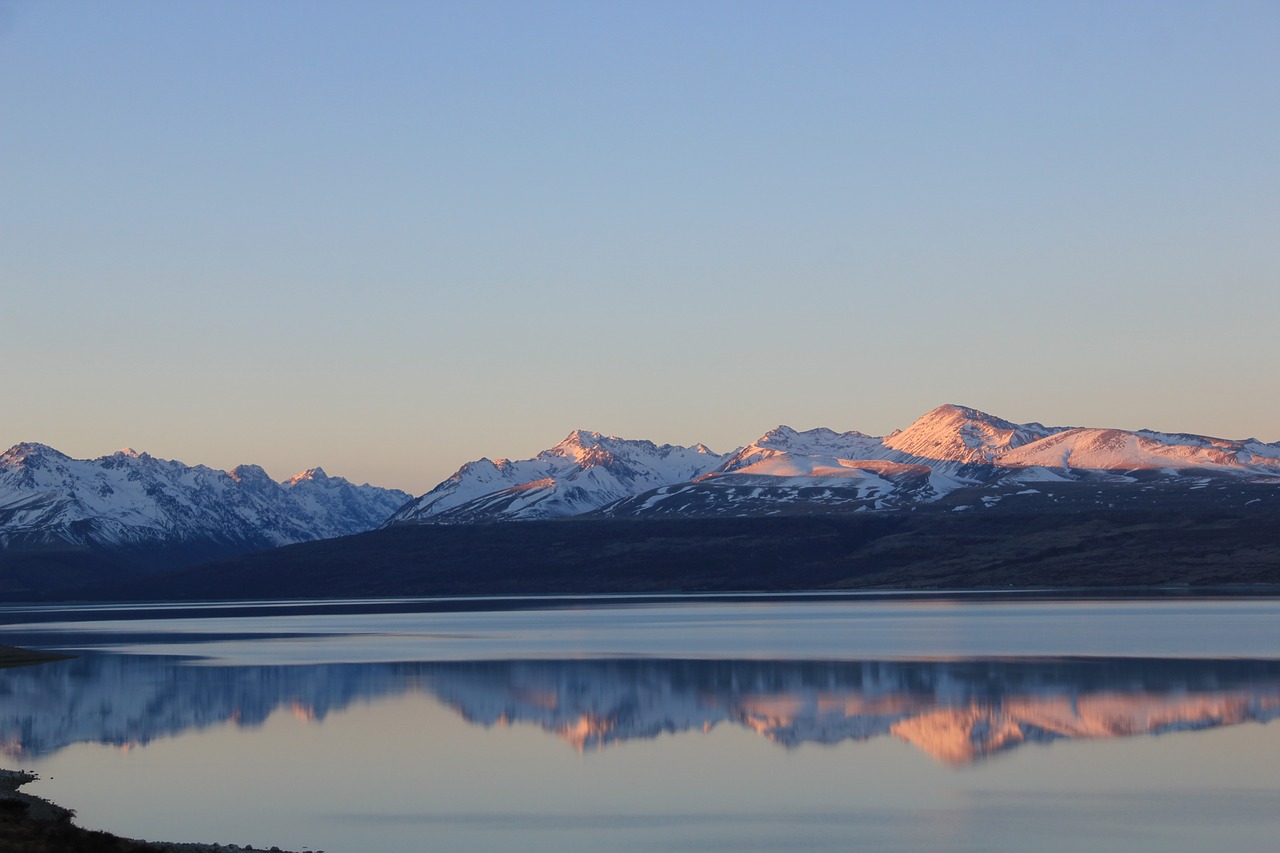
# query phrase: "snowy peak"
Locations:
[[589, 449], [846, 445], [30, 454], [250, 474], [585, 455], [819, 439], [584, 472], [952, 433], [322, 499], [310, 475], [819, 442], [580, 441]]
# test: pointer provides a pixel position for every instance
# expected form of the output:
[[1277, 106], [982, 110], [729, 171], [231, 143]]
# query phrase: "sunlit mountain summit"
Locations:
[[582, 473]]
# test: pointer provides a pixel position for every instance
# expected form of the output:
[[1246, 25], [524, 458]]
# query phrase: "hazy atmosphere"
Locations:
[[387, 238]]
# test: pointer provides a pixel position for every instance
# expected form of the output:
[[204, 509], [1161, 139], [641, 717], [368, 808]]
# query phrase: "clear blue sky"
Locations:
[[387, 238]]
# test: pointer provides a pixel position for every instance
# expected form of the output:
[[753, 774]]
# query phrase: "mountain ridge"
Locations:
[[130, 499], [1058, 506], [944, 451], [579, 474]]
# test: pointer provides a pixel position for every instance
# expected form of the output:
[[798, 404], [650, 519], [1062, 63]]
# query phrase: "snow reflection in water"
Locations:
[[743, 727], [956, 711]]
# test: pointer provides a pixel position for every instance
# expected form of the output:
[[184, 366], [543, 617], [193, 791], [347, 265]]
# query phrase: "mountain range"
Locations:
[[131, 499], [68, 523], [948, 450]]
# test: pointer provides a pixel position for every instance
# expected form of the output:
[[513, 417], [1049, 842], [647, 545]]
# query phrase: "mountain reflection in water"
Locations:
[[956, 711]]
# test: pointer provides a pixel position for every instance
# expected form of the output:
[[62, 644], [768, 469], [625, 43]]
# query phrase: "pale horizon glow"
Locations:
[[388, 238]]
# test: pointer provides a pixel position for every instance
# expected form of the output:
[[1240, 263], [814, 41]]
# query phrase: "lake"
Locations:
[[629, 724]]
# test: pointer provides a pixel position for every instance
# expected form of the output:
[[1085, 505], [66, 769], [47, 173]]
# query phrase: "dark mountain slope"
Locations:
[[1191, 541]]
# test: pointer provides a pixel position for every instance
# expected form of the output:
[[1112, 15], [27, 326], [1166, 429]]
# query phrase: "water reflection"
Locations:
[[956, 711]]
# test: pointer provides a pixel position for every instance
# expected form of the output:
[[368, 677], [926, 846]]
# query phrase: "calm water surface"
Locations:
[[624, 725]]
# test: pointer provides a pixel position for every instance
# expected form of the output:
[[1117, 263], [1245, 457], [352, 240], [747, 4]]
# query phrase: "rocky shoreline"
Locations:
[[30, 824]]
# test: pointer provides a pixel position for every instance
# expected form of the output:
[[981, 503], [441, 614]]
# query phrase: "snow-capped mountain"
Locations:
[[783, 441], [953, 457], [949, 451], [962, 435], [582, 473], [972, 458], [1117, 450], [135, 499]]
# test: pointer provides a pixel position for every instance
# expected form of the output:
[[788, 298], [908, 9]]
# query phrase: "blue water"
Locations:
[[624, 724]]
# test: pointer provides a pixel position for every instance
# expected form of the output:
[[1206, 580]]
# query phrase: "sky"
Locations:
[[391, 237]]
